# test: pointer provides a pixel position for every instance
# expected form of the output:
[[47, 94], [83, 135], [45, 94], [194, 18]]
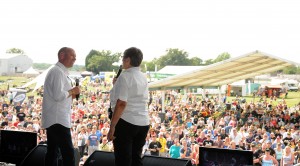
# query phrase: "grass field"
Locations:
[[13, 82], [292, 99]]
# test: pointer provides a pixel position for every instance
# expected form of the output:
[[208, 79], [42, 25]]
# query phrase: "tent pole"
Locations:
[[219, 90], [163, 100]]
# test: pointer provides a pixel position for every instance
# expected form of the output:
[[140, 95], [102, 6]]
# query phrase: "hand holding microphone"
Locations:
[[118, 74], [74, 92]]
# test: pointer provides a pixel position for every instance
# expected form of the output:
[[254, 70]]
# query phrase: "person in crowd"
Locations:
[[278, 153], [21, 115], [287, 139], [92, 141], [297, 152], [56, 112], [169, 143], [226, 143], [278, 140], [208, 142], [154, 146], [269, 146], [195, 155], [163, 142], [146, 145], [287, 157], [43, 140], [256, 155], [235, 136], [130, 120], [201, 138], [267, 159], [218, 142], [82, 140], [105, 145], [175, 149], [185, 151]]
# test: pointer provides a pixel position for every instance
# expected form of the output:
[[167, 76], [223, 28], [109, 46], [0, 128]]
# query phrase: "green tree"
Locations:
[[291, 70], [15, 51], [209, 61], [222, 57], [97, 61], [195, 61], [150, 65], [174, 56], [41, 66]]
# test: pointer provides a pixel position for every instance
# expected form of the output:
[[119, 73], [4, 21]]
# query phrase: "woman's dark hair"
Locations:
[[135, 55]]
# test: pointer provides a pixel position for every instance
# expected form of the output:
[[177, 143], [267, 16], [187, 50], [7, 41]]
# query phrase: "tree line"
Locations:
[[99, 61]]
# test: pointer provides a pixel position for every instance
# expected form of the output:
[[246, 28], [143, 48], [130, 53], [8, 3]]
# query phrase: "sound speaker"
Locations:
[[165, 161], [225, 157], [36, 156], [100, 158], [15, 145]]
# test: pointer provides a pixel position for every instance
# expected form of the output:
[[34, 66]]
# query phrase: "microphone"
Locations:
[[77, 84], [119, 71]]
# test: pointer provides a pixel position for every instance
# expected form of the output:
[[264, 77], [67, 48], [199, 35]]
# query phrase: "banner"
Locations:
[[19, 95]]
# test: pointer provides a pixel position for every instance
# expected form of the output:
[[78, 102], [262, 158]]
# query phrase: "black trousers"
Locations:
[[128, 144], [81, 150], [59, 138]]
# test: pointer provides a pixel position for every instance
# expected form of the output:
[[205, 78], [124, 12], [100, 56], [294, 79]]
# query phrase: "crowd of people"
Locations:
[[268, 128]]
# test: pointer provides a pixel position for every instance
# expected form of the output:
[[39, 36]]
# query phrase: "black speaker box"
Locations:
[[165, 161], [15, 145], [102, 158], [108, 159], [36, 156]]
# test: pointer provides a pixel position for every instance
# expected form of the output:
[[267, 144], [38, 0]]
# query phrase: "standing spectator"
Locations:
[[170, 142], [201, 138], [82, 139], [175, 149], [278, 152], [154, 146], [223, 134], [4, 105], [297, 152], [43, 140], [235, 136], [92, 141], [163, 142], [185, 151], [287, 139], [21, 115], [18, 107], [267, 159], [195, 155], [105, 145], [10, 97], [208, 141], [287, 157], [219, 142], [278, 140], [56, 112]]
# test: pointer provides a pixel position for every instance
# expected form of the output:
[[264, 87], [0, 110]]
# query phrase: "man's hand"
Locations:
[[74, 91], [111, 133]]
